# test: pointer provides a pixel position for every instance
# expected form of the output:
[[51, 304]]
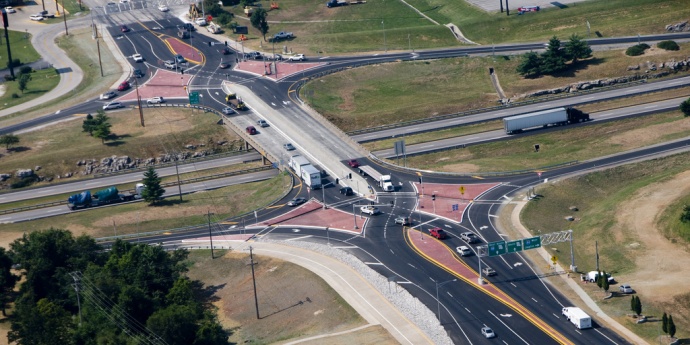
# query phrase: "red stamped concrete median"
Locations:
[[283, 68], [312, 214], [448, 195]]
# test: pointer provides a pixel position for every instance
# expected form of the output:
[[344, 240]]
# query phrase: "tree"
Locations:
[[176, 324], [43, 323], [102, 132], [685, 107], [604, 282], [576, 48], [685, 216], [638, 306], [600, 283], [210, 332], [671, 326], [259, 21], [632, 303], [88, 125], [9, 140], [530, 66], [553, 60], [7, 280], [152, 186], [23, 81], [664, 323]]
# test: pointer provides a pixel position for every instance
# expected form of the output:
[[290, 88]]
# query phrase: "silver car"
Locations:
[[113, 105]]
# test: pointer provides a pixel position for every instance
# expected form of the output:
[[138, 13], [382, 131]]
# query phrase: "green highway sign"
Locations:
[[193, 97], [514, 246], [531, 243], [497, 248]]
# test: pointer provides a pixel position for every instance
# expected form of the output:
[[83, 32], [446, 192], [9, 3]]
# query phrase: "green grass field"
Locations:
[[20, 45], [41, 82]]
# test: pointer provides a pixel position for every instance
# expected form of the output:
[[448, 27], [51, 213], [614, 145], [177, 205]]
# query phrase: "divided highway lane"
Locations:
[[169, 192], [483, 137], [134, 177]]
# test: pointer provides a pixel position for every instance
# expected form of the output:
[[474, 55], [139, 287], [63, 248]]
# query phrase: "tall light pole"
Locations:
[[210, 237], [438, 303]]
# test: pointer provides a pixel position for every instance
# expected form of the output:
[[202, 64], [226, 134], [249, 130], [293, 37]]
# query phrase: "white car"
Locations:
[[36, 17], [297, 57], [9, 9], [488, 332], [200, 21], [113, 105], [163, 8], [463, 251], [371, 210], [155, 100], [124, 1], [138, 58], [625, 288]]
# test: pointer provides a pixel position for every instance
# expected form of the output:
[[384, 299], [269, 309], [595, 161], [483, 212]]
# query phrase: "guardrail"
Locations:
[[167, 184]]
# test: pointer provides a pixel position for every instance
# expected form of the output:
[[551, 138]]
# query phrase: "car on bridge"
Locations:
[[262, 123], [353, 163], [370, 210], [288, 147], [251, 130], [124, 28]]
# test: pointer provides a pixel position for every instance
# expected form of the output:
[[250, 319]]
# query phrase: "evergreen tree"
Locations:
[[89, 124], [671, 326], [632, 303], [576, 48], [23, 81], [638, 306], [664, 323], [530, 66], [259, 22], [102, 132], [604, 282], [152, 186], [685, 107], [553, 60]]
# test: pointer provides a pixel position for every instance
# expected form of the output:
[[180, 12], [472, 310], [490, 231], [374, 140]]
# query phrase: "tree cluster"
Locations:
[[259, 21], [132, 292], [685, 107], [555, 58], [98, 126], [667, 325]]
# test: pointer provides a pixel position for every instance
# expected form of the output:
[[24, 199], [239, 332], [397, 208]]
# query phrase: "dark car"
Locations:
[[288, 147], [138, 73], [296, 202], [226, 51], [353, 163], [124, 28], [251, 130], [123, 86], [347, 191], [188, 26]]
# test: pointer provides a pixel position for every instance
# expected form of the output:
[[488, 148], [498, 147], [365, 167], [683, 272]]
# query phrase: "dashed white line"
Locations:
[[535, 300], [298, 238], [373, 263]]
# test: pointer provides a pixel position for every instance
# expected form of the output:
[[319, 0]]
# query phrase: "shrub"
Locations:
[[668, 45], [15, 95], [9, 77], [685, 216], [637, 49], [25, 69], [15, 63]]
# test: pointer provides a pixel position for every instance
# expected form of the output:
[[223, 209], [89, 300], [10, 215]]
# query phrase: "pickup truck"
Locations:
[[283, 36]]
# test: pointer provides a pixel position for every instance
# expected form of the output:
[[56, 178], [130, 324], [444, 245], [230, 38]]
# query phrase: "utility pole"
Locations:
[[141, 112], [64, 16], [98, 46], [7, 39], [256, 299], [179, 185], [76, 288], [210, 236], [596, 249]]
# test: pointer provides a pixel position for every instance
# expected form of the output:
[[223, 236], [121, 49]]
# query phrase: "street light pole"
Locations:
[[323, 196], [210, 237], [438, 302]]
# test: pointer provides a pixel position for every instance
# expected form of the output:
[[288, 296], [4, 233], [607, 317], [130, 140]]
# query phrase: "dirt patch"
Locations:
[[660, 274], [645, 136], [464, 167]]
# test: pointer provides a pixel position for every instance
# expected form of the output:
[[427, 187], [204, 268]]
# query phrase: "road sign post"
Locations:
[[497, 248], [462, 193], [194, 97], [531, 243], [514, 246]]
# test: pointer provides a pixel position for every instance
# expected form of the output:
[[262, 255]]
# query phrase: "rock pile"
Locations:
[[678, 27]]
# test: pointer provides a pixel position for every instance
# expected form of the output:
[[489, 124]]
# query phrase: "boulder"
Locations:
[[4, 177], [22, 173], [633, 68]]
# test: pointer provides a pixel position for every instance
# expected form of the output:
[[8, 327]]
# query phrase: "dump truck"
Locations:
[[307, 172], [577, 317], [102, 197], [544, 118], [235, 102]]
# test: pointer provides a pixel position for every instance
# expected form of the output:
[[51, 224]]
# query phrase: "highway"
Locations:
[[464, 309]]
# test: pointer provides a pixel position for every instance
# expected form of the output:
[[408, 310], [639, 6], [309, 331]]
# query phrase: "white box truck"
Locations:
[[578, 317], [383, 181], [311, 176], [296, 163]]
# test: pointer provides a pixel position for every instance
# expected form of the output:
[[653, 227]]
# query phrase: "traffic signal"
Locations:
[[433, 197], [226, 43], [181, 71], [209, 44]]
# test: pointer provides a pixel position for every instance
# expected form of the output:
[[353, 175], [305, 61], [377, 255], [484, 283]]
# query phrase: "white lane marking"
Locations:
[[373, 263], [298, 238], [506, 326]]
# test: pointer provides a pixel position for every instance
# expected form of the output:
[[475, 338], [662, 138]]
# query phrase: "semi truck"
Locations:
[[102, 197], [383, 181], [307, 172], [545, 118], [235, 102], [578, 317]]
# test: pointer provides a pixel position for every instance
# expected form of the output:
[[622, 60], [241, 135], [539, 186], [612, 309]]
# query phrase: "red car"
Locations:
[[124, 28], [123, 86], [251, 130], [353, 163], [438, 233]]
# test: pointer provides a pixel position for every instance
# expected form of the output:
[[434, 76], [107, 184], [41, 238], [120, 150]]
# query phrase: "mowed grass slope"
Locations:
[[58, 148], [371, 96]]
